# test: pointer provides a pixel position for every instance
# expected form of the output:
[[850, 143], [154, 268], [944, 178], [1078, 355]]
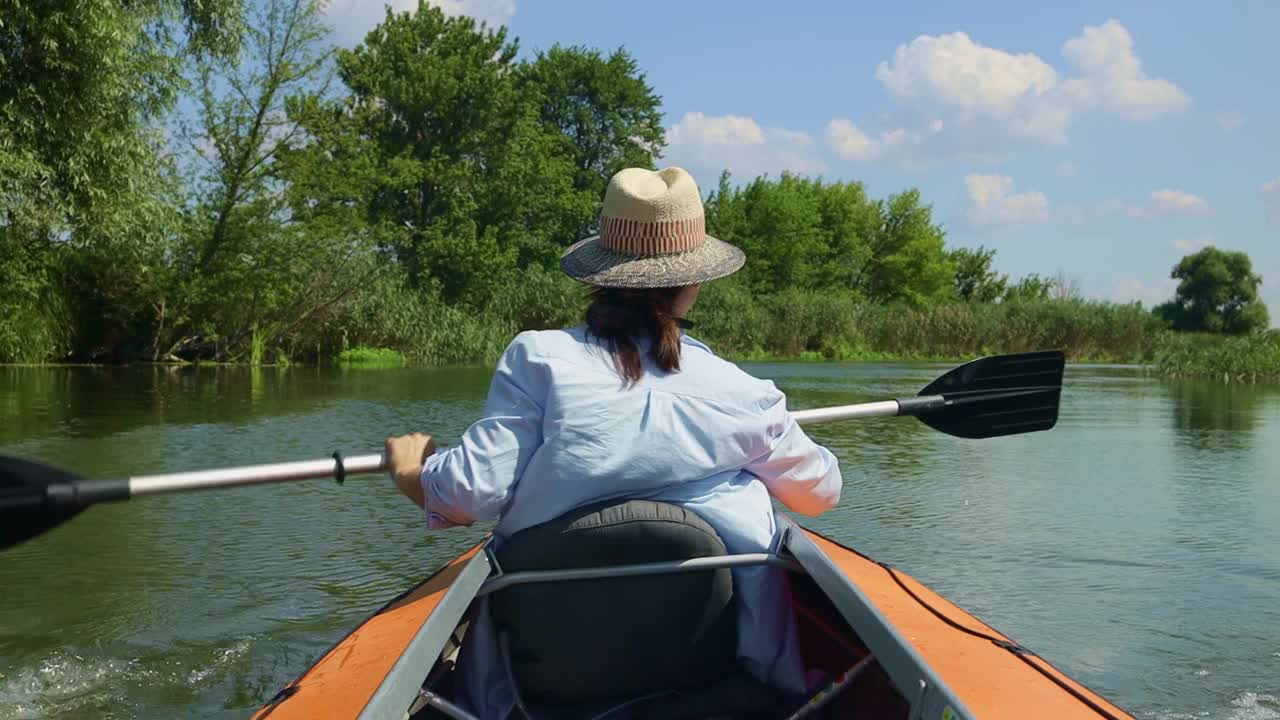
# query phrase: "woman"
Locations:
[[629, 406]]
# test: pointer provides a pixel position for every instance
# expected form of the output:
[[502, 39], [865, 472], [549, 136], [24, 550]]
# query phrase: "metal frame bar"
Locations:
[[444, 706], [829, 693], [500, 582], [914, 678]]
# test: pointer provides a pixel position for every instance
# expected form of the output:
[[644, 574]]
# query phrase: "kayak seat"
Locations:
[[576, 646]]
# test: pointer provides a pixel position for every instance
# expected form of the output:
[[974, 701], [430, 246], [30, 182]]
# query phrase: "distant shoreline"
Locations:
[[1200, 368]]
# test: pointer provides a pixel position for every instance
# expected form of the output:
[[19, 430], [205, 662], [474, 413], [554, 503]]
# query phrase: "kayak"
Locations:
[[883, 644]]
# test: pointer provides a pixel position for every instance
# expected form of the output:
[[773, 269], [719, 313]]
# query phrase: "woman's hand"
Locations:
[[405, 457]]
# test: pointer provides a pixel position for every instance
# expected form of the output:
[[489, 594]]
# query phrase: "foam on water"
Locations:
[[222, 661], [1255, 706], [1245, 706], [65, 683]]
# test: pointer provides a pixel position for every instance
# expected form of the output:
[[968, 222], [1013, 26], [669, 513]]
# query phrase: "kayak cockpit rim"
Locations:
[[480, 575], [402, 684]]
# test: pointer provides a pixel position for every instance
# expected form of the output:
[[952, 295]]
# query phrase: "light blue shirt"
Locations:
[[561, 430]]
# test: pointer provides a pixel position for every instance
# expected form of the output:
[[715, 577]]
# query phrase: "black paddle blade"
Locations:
[[25, 510], [998, 395]]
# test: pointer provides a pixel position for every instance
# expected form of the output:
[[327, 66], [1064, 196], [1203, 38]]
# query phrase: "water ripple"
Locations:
[[1133, 545]]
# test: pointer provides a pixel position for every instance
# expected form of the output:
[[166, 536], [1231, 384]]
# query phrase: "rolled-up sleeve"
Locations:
[[800, 473], [474, 480]]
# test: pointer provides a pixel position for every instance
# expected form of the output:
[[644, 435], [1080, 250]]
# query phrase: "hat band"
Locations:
[[636, 237]]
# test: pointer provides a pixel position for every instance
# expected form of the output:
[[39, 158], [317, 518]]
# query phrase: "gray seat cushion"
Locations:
[[591, 640]]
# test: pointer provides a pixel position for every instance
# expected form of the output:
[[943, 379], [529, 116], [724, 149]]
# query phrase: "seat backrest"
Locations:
[[589, 640]]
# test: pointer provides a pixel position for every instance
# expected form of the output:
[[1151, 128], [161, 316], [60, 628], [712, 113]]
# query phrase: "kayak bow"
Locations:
[[893, 648]]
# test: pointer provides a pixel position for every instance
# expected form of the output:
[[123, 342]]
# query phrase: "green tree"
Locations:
[[797, 232], [907, 261], [603, 112], [975, 280], [458, 181], [245, 273], [1217, 292], [1031, 288], [808, 234], [85, 199]]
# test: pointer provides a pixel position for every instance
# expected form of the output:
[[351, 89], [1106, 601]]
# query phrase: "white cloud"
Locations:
[[1066, 169], [991, 202], [989, 100], [1188, 245], [1271, 200], [739, 144], [1112, 76], [1230, 119], [1177, 202], [352, 19], [954, 75], [721, 130], [850, 143], [955, 71]]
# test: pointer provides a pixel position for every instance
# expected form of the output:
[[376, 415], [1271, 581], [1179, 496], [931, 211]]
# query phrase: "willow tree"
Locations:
[[85, 200]]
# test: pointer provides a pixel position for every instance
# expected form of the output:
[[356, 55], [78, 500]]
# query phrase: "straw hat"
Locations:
[[652, 235]]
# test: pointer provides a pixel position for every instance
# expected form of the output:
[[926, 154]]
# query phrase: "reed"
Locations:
[[1246, 358]]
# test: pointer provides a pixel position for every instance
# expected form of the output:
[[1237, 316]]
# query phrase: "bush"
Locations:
[[370, 357]]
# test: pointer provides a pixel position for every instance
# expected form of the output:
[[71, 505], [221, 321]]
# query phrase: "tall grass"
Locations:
[[367, 357], [1247, 358], [35, 321], [795, 324], [389, 325], [807, 324], [428, 331], [30, 334]]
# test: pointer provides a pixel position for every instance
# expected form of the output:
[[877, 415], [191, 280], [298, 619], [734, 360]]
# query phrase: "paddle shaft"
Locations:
[[86, 492]]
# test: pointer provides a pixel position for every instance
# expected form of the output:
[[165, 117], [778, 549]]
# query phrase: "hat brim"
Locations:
[[589, 262]]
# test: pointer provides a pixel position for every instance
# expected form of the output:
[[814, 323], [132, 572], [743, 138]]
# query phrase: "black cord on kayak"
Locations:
[[342, 470], [1018, 651]]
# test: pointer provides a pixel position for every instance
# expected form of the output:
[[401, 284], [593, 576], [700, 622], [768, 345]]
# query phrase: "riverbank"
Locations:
[[397, 329], [1248, 359]]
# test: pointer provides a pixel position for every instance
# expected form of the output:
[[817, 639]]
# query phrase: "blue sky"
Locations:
[[1102, 141]]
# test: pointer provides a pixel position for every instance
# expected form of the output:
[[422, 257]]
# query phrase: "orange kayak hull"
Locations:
[[938, 660]]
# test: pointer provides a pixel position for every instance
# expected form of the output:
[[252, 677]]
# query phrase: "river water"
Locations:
[[1136, 545]]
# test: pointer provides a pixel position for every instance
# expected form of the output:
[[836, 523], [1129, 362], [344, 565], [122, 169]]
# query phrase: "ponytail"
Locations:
[[618, 316]]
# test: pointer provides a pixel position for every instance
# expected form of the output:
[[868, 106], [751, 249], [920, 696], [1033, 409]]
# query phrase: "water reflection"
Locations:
[[1222, 436], [95, 402], [1216, 416]]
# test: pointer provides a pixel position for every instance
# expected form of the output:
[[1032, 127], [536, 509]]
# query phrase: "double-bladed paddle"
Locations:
[[987, 397]]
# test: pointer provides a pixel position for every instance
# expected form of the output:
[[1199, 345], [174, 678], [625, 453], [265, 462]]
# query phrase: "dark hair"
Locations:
[[619, 316]]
